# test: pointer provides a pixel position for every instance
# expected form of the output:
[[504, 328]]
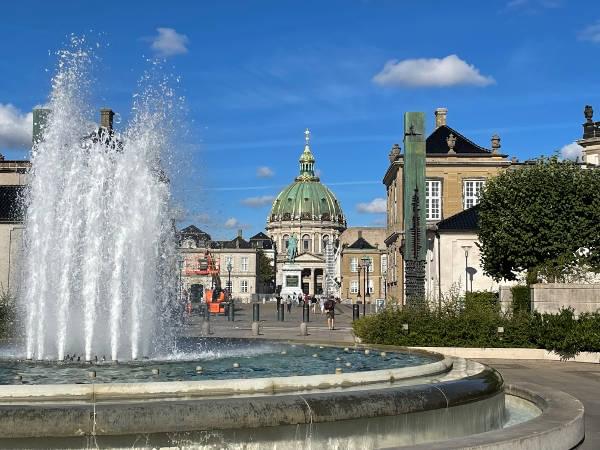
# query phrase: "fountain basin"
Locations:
[[441, 384]]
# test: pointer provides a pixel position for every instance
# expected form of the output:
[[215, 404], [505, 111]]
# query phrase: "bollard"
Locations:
[[306, 313], [231, 311], [278, 305], [281, 313], [355, 312], [303, 329], [256, 312]]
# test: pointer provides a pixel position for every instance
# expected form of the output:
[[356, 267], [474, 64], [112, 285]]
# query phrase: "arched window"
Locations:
[[306, 243], [286, 240]]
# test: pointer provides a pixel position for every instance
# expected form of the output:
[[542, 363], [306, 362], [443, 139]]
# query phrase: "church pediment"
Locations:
[[309, 258]]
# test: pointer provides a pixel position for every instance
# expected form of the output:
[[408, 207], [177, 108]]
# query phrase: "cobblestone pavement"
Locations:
[[578, 379]]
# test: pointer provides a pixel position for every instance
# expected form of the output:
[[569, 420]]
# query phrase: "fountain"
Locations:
[[99, 244], [99, 287]]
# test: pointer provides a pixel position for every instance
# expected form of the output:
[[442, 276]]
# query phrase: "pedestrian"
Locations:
[[289, 304], [322, 305], [330, 310], [313, 301]]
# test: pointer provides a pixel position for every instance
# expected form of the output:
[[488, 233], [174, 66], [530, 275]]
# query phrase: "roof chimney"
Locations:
[[359, 234], [40, 120], [440, 117], [240, 233], [106, 118], [495, 144]]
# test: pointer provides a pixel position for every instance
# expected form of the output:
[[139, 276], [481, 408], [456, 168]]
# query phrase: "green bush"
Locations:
[[476, 325], [482, 299], [521, 298]]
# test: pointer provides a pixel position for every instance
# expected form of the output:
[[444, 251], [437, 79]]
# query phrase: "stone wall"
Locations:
[[551, 297]]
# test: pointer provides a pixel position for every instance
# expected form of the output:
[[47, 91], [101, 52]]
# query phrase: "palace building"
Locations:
[[308, 210]]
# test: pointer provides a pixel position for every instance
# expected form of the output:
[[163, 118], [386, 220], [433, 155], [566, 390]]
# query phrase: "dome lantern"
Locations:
[[307, 160]]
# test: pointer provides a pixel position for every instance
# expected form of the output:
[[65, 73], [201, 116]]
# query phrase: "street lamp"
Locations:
[[229, 267], [358, 295], [180, 264], [366, 264], [466, 248], [384, 275]]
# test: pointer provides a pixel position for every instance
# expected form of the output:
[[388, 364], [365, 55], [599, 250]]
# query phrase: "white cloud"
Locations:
[[591, 33], [15, 127], [232, 222], [264, 172], [437, 72], [375, 206], [571, 151], [169, 42], [256, 202]]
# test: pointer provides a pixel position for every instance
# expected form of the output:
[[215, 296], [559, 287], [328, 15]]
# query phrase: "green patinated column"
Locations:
[[415, 224], [40, 121]]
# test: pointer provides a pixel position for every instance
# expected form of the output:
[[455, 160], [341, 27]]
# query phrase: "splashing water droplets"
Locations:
[[99, 246]]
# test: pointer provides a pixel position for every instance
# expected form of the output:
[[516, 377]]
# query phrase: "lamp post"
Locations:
[[466, 248], [384, 275], [366, 264], [358, 295], [180, 264], [229, 267]]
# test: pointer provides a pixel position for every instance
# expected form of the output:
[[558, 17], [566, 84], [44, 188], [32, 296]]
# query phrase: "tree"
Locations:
[[542, 218], [265, 273]]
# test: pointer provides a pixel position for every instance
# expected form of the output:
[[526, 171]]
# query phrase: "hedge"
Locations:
[[476, 323]]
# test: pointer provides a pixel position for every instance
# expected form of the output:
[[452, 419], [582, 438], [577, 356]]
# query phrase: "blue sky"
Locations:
[[256, 74]]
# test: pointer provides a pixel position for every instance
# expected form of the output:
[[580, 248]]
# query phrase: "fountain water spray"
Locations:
[[99, 270]]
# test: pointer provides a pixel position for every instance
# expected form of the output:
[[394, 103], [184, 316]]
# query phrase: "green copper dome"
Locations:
[[307, 198]]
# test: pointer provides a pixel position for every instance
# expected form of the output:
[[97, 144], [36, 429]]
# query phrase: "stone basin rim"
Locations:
[[35, 393]]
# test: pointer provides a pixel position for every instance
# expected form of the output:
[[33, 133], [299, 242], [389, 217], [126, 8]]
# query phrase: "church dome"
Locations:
[[307, 198]]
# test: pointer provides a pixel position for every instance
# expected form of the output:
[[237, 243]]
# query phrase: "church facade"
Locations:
[[310, 213]]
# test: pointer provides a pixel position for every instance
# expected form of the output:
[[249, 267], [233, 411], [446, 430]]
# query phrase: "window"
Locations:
[[433, 196], [371, 290], [244, 264], [471, 191], [286, 240], [244, 286], [306, 243], [228, 261], [354, 287], [354, 265], [384, 265]]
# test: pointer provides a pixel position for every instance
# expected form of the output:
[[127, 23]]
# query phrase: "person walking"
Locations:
[[330, 311], [288, 303], [322, 305]]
